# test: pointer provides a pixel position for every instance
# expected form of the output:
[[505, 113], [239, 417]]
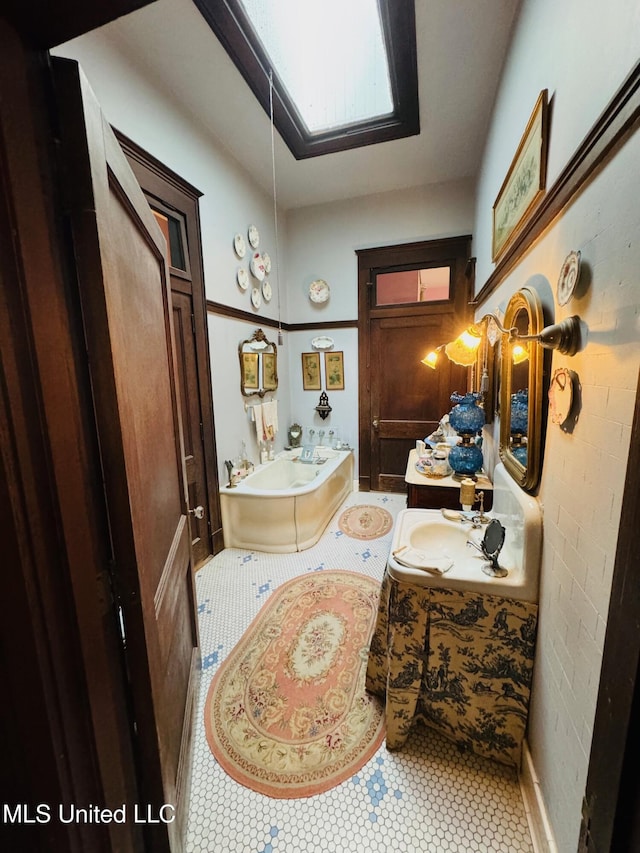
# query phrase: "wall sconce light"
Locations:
[[563, 336]]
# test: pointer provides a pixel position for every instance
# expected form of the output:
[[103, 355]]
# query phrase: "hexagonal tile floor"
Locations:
[[426, 797]]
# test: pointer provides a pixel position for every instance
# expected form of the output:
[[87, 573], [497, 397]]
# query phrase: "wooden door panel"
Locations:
[[408, 399], [126, 305], [191, 422]]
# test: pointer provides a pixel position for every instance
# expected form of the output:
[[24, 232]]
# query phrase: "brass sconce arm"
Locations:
[[563, 336]]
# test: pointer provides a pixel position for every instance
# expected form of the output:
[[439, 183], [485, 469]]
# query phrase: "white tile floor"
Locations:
[[426, 797]]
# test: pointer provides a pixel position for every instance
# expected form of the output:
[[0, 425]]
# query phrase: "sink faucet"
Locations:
[[472, 518]]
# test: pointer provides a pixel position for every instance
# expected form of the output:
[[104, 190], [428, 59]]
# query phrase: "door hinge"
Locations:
[[193, 324], [584, 839], [202, 432], [119, 594]]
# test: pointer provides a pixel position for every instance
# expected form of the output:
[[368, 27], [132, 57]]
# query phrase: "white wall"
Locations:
[[581, 52], [322, 240]]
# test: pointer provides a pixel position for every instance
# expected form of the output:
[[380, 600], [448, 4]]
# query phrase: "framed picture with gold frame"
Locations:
[[249, 362], [269, 374], [334, 371], [525, 181], [311, 380]]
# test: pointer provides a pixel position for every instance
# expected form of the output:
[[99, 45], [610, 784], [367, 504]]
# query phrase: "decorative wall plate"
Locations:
[[243, 278], [257, 266], [569, 275], [256, 298], [266, 260], [319, 291], [239, 246], [254, 236], [560, 395], [266, 291], [322, 342]]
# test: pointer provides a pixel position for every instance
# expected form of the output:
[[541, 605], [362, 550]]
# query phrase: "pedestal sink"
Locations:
[[442, 544]]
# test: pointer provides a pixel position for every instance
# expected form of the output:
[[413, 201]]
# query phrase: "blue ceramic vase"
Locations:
[[467, 418], [520, 412]]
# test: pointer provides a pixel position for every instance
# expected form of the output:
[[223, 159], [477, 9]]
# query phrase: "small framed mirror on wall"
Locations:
[[258, 365], [521, 390]]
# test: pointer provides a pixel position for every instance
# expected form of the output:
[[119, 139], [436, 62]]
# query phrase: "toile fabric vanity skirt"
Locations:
[[459, 662]]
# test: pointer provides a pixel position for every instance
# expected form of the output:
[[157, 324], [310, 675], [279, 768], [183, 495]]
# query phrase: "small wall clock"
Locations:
[[319, 291]]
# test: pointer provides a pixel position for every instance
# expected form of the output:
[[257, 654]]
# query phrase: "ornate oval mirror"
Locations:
[[521, 391], [258, 365]]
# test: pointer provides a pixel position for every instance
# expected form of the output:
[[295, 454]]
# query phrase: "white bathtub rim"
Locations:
[[324, 470]]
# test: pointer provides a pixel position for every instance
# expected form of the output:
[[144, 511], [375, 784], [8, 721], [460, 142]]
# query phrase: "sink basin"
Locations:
[[443, 544], [438, 537]]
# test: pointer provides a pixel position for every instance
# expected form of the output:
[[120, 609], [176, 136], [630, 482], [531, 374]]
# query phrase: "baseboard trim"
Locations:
[[539, 826]]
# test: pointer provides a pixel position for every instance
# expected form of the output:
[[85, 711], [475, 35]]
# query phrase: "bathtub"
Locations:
[[285, 505]]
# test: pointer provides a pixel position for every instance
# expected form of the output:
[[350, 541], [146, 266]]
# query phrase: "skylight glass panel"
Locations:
[[329, 55]]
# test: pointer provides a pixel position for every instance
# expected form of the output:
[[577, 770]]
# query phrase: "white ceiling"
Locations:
[[461, 50]]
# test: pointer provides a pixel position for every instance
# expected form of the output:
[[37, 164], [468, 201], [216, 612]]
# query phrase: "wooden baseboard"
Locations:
[[539, 826]]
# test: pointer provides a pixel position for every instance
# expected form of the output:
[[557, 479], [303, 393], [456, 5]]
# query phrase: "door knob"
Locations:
[[198, 512], [376, 423]]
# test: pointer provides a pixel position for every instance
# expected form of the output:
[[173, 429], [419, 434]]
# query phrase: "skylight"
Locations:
[[344, 71], [330, 57]]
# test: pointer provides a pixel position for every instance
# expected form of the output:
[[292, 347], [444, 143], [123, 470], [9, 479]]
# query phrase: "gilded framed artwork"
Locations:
[[269, 375], [525, 181], [334, 371], [249, 362], [311, 371]]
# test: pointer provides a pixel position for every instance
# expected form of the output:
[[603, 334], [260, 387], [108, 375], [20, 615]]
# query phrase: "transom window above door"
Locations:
[[399, 287]]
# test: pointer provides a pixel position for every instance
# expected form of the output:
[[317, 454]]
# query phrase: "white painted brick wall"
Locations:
[[583, 475]]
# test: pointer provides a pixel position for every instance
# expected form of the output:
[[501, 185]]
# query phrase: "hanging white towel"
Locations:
[[270, 419], [258, 416]]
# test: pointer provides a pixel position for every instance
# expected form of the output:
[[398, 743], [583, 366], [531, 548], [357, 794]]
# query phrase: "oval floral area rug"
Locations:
[[365, 522], [287, 714]]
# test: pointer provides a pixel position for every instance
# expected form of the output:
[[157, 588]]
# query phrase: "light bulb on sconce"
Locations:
[[431, 358], [519, 353], [464, 349]]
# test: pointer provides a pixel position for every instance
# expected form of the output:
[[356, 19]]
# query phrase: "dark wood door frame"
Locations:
[[166, 187], [70, 739], [611, 806], [454, 250]]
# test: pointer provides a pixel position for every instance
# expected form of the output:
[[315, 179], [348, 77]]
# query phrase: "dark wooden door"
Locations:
[[401, 400], [124, 291], [192, 425], [175, 203], [194, 404]]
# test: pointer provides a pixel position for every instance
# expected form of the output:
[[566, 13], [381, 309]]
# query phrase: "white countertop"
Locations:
[[414, 477]]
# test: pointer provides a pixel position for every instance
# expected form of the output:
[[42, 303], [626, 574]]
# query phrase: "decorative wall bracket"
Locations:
[[323, 408]]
